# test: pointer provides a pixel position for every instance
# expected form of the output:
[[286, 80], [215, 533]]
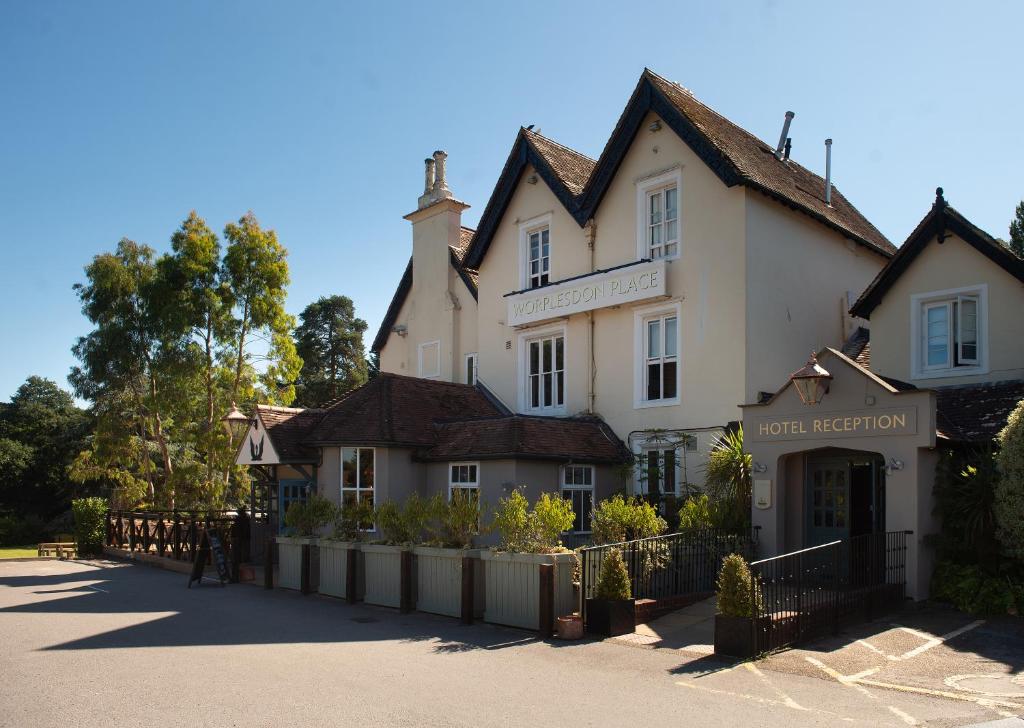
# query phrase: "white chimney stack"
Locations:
[[428, 183]]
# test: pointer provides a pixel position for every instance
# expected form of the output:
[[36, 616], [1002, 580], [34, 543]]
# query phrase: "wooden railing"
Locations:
[[174, 535]]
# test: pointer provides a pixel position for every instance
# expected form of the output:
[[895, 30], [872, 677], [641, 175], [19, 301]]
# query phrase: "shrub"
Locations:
[[698, 512], [307, 518], [457, 519], [738, 594], [613, 582], [727, 479], [351, 521], [19, 531], [401, 526], [1009, 489], [965, 485], [979, 589], [533, 531], [620, 519], [90, 525]]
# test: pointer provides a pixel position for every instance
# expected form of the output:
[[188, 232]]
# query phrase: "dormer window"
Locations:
[[948, 339]]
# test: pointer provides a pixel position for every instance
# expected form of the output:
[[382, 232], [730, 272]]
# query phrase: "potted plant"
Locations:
[[612, 611], [351, 523], [529, 538], [304, 520], [401, 528], [739, 601], [440, 561]]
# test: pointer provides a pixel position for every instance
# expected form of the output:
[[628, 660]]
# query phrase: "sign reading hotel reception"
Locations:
[[599, 290], [859, 423]]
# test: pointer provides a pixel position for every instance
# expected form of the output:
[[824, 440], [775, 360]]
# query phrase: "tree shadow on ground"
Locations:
[[236, 614]]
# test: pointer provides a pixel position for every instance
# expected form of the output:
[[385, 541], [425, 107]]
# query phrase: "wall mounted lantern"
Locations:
[[759, 468], [236, 422], [811, 381], [893, 466]]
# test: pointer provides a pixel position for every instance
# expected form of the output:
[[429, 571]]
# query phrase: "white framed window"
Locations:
[[542, 371], [358, 484], [578, 488], [535, 238], [657, 369], [469, 368], [659, 472], [465, 476], [948, 333], [429, 359], [659, 220], [538, 257]]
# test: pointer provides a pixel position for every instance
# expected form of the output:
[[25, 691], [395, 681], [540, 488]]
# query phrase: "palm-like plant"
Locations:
[[727, 476]]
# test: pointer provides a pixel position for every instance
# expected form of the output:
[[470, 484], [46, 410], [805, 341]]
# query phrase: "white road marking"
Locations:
[[941, 694], [933, 641], [762, 701], [96, 588], [788, 701], [908, 719], [842, 679], [865, 643]]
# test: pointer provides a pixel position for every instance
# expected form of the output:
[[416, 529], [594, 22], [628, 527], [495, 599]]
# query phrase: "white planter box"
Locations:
[[334, 568], [289, 561], [383, 570], [512, 584], [439, 580]]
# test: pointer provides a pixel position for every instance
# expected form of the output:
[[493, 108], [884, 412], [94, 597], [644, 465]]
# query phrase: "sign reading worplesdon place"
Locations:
[[830, 425], [611, 288]]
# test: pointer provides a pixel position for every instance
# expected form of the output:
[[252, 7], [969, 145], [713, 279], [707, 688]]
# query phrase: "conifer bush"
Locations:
[[1009, 489], [738, 594], [613, 582]]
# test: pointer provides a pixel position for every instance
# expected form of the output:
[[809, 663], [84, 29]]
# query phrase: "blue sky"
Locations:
[[117, 118]]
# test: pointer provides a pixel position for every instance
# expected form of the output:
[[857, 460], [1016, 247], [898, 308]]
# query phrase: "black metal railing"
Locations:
[[668, 566], [812, 592]]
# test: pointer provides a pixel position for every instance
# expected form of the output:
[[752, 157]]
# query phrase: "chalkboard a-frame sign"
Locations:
[[210, 545]]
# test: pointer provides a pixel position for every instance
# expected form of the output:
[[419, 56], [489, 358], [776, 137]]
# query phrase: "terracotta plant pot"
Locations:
[[570, 628]]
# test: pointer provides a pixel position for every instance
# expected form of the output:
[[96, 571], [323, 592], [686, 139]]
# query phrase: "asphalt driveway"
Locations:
[[96, 643]]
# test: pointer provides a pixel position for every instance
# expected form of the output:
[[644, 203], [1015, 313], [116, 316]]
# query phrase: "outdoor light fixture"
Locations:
[[893, 466], [236, 422], [811, 381], [759, 468]]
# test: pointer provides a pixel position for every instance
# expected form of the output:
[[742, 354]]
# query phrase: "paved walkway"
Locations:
[[690, 629]]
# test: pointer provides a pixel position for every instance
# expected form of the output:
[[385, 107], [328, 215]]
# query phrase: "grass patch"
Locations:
[[18, 552]]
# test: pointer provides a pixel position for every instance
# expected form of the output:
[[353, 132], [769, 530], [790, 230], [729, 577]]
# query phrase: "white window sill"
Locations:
[[546, 411], [951, 372], [646, 404]]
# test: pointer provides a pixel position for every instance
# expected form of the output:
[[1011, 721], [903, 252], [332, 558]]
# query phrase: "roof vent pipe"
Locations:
[[785, 133], [789, 148], [828, 172]]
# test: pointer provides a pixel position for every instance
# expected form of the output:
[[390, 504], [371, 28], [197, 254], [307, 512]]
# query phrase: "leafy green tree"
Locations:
[[256, 276], [1017, 230], [329, 341], [41, 431]]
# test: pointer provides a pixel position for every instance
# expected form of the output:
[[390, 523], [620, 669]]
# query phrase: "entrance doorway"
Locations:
[[845, 496]]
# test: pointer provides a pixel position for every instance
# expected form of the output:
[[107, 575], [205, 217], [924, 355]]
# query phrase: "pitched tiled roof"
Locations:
[[754, 162], [939, 221], [735, 155], [858, 347], [287, 427], [976, 412], [457, 255], [573, 169], [395, 410], [576, 439], [445, 421]]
